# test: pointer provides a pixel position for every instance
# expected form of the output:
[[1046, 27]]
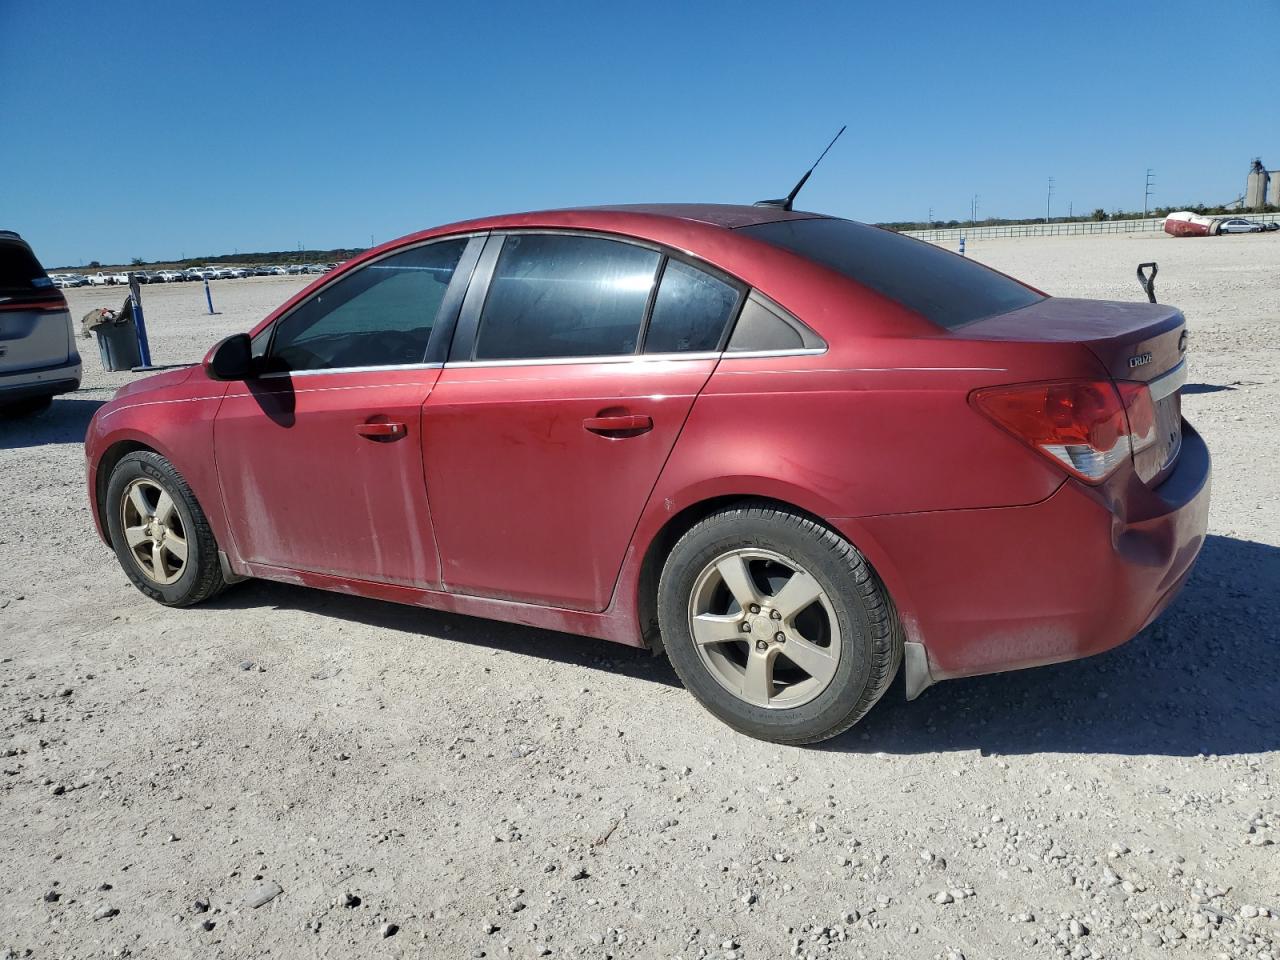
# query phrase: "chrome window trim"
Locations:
[[755, 354], [1168, 383], [636, 358], [375, 368]]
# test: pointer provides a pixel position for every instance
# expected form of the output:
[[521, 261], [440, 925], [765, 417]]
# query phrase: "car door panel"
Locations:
[[323, 472], [538, 473], [319, 456]]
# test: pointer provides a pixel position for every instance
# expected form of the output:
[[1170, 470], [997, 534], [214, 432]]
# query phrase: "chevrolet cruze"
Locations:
[[797, 454]]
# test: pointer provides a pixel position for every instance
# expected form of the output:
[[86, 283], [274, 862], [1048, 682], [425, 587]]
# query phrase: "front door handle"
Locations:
[[628, 424], [384, 432]]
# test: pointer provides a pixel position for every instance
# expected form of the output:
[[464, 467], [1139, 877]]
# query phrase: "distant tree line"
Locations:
[[281, 257]]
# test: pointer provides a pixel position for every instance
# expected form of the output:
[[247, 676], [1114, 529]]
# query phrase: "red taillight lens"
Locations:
[[1087, 426]]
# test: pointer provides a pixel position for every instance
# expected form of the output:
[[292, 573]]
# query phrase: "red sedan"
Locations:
[[793, 452]]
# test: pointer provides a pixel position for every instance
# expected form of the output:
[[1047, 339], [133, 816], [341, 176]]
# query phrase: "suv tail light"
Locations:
[[1090, 427]]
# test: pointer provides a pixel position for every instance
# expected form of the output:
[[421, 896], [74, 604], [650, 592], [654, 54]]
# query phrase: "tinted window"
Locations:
[[759, 328], [20, 271], [940, 286], [564, 296], [690, 312], [381, 314]]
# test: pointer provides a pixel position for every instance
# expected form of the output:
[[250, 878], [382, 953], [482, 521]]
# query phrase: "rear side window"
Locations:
[[20, 271], [943, 288], [690, 312], [762, 327], [380, 314], [565, 296]]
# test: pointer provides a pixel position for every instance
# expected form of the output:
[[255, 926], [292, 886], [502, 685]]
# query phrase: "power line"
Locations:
[[1047, 199]]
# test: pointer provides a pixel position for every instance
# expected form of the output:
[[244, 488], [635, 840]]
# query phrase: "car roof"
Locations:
[[622, 217], [728, 215]]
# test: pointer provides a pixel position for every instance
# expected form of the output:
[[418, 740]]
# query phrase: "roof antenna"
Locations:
[[786, 202]]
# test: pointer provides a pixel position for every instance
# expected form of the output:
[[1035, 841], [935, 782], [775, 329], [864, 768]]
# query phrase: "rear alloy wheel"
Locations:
[[777, 625], [764, 628], [160, 534]]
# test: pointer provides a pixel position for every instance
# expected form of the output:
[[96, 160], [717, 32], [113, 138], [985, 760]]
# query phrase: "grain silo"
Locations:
[[1273, 189], [1255, 194]]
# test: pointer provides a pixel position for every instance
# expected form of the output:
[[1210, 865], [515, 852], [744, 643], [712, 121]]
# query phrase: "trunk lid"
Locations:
[[1140, 342]]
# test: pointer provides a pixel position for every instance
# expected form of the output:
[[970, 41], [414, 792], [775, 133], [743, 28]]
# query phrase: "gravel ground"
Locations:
[[292, 773]]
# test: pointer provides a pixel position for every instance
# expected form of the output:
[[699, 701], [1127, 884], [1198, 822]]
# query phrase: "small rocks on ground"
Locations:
[[264, 893]]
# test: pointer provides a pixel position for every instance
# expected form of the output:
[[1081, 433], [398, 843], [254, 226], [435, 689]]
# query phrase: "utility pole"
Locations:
[[1071, 210], [930, 221], [973, 211], [1146, 197], [1047, 199]]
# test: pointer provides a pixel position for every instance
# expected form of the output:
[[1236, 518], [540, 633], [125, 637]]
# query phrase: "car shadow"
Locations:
[[1197, 681], [1201, 680], [1205, 388], [64, 422], [564, 648]]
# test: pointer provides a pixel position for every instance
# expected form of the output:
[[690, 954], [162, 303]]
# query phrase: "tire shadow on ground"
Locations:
[[1199, 680]]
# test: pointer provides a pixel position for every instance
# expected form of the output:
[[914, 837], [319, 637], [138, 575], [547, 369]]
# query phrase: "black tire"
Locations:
[[868, 659], [28, 407], [201, 578]]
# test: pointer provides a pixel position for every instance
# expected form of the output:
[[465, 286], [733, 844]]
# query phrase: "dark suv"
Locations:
[[38, 356]]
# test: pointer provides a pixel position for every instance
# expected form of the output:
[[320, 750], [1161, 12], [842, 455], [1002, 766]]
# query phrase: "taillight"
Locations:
[[1090, 427]]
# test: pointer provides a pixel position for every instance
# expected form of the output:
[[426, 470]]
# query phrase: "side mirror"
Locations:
[[230, 359]]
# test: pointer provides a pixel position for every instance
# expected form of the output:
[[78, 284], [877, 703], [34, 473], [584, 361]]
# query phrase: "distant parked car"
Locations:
[[169, 276], [1240, 225], [278, 271], [261, 270], [296, 268], [99, 279], [38, 355]]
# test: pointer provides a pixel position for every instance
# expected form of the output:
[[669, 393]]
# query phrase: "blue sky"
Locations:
[[157, 130]]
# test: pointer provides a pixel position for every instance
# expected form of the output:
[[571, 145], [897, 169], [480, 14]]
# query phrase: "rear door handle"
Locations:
[[630, 423], [384, 432]]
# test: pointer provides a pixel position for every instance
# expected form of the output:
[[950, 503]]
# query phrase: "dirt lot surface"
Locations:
[[408, 783]]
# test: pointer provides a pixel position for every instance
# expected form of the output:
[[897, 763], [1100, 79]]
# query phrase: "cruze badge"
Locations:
[[1139, 360]]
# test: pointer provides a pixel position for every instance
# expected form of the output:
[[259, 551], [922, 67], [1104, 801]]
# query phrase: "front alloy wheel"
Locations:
[[153, 530], [160, 534]]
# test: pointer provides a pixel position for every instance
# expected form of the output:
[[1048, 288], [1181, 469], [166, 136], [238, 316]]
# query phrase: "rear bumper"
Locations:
[[1076, 574], [40, 381]]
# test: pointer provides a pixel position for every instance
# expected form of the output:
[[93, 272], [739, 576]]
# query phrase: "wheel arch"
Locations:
[[102, 476]]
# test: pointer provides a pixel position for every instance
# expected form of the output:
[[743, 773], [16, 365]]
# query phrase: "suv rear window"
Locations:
[[20, 271], [943, 288]]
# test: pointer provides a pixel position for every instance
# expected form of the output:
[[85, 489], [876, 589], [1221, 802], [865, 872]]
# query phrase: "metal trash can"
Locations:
[[118, 339]]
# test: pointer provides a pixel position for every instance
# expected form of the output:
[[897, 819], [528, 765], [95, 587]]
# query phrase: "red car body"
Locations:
[[502, 505]]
